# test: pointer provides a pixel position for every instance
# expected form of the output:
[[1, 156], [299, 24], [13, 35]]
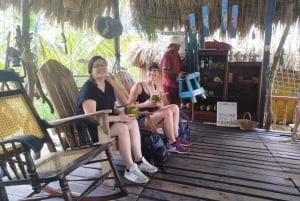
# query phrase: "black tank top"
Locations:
[[143, 97]]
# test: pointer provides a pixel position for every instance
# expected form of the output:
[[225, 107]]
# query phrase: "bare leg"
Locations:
[[121, 130], [165, 115], [135, 138], [175, 113]]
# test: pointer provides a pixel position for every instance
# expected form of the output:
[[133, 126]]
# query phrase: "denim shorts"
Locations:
[[141, 121]]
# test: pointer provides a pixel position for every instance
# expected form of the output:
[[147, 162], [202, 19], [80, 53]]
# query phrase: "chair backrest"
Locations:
[[17, 113], [63, 91], [61, 87]]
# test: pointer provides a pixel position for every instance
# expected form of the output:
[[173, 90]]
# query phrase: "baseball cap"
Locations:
[[152, 65]]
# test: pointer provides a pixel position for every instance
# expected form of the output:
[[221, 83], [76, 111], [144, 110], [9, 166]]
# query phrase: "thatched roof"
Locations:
[[142, 52], [56, 10], [157, 15]]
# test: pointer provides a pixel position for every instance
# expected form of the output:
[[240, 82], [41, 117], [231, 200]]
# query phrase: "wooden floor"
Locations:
[[224, 164]]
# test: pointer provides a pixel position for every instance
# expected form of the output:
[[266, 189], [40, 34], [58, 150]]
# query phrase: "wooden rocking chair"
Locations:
[[63, 91], [22, 130]]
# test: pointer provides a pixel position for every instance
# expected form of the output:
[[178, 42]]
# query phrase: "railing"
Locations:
[[287, 103]]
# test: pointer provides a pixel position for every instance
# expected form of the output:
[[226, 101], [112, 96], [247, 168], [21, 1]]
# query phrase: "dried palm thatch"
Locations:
[[141, 53], [158, 15], [60, 11]]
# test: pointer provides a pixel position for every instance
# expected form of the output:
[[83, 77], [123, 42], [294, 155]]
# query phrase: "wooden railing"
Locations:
[[286, 102]]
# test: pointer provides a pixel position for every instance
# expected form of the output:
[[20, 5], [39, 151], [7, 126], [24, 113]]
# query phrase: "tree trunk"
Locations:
[[270, 75]]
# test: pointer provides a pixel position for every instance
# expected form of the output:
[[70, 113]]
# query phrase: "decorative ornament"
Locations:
[[108, 27]]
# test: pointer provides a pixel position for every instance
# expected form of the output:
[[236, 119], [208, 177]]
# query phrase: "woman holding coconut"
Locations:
[[97, 94], [145, 96]]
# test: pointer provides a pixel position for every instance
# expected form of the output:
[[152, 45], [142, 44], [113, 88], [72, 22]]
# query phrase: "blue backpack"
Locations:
[[184, 126]]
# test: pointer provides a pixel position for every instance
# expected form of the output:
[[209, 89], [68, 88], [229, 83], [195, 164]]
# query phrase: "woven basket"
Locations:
[[246, 123]]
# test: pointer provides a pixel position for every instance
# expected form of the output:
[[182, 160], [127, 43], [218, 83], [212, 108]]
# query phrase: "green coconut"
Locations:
[[155, 98], [132, 110]]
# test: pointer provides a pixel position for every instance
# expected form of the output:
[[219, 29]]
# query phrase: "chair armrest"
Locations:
[[103, 124], [28, 141], [72, 119]]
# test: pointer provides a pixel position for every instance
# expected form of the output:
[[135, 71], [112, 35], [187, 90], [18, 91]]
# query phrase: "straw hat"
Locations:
[[175, 40], [108, 27]]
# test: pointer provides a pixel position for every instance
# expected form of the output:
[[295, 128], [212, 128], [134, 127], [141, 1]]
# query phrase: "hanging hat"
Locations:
[[175, 40], [108, 27]]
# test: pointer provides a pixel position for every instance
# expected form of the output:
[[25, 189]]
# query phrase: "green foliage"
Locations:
[[80, 46], [48, 43], [43, 110]]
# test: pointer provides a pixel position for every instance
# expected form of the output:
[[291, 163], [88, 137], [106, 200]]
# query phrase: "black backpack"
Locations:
[[154, 148]]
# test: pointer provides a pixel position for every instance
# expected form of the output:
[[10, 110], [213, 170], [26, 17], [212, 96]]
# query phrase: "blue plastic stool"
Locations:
[[193, 89]]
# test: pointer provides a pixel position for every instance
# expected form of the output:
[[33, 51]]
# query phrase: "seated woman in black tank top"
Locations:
[[167, 115]]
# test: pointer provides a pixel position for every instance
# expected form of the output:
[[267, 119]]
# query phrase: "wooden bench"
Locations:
[[22, 130]]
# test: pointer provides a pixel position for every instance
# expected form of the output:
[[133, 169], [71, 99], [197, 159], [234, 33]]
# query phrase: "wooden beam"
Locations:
[[117, 39], [266, 59]]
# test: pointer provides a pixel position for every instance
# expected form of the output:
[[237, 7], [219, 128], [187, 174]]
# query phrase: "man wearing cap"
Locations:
[[171, 65]]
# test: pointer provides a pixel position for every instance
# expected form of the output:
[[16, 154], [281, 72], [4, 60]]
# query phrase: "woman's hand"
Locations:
[[126, 117], [150, 104]]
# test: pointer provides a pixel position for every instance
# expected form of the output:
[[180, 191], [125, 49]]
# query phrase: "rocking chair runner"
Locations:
[[21, 130]]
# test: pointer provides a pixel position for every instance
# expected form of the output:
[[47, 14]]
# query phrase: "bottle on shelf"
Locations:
[[206, 63], [210, 62], [202, 63]]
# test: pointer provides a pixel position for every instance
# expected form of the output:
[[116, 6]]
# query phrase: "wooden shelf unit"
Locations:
[[244, 87], [227, 81]]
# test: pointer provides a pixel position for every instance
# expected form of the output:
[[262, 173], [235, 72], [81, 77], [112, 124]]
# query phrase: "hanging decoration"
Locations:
[[224, 16], [108, 27], [205, 21], [234, 21]]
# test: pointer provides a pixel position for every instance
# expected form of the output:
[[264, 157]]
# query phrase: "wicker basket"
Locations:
[[246, 123]]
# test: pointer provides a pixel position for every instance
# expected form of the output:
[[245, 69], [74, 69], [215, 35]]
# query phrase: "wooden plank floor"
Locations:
[[224, 164]]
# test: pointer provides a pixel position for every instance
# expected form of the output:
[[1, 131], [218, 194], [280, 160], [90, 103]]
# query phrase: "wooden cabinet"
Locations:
[[227, 81], [244, 86]]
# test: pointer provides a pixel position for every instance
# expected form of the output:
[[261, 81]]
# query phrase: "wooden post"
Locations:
[[27, 56], [266, 60], [270, 76], [25, 23], [117, 39]]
